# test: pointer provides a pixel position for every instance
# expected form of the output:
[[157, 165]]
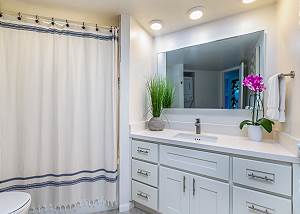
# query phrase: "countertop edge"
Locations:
[[219, 149]]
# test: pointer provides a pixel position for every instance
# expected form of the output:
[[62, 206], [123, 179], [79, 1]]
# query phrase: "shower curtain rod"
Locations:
[[54, 21]]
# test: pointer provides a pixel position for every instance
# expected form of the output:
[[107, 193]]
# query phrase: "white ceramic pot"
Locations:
[[255, 133]]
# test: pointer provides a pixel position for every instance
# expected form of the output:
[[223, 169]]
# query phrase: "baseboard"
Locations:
[[124, 207], [146, 209]]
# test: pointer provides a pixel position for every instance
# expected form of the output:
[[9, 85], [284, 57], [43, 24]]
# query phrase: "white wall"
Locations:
[[207, 89], [141, 69], [288, 20], [124, 146], [137, 64], [58, 12], [252, 21], [175, 75]]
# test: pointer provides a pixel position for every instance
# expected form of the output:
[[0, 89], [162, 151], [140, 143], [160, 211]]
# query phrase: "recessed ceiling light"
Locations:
[[196, 13], [156, 25], [248, 1]]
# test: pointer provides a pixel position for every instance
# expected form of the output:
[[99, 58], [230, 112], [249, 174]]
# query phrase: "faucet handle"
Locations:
[[198, 126]]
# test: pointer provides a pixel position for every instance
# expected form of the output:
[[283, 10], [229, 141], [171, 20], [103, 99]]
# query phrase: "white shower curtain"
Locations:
[[58, 116]]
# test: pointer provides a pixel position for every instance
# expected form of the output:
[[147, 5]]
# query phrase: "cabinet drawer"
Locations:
[[205, 163], [145, 151], [265, 176], [250, 202], [144, 172], [144, 195]]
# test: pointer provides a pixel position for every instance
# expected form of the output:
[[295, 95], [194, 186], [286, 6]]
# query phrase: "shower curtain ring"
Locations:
[[67, 23], [1, 15], [83, 26], [19, 16], [37, 19], [52, 22], [97, 29]]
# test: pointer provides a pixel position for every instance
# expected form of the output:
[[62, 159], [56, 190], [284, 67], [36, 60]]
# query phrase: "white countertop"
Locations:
[[225, 144]]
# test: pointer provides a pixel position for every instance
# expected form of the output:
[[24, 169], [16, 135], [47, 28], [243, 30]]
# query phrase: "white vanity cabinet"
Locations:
[[172, 179], [185, 193]]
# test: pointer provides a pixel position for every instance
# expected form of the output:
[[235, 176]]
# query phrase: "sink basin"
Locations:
[[196, 137]]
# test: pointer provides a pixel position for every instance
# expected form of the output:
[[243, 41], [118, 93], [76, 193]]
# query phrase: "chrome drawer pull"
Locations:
[[253, 176], [253, 208], [143, 151], [194, 186], [143, 195], [143, 172], [183, 183]]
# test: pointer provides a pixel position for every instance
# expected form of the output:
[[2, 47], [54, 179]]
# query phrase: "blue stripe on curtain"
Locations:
[[59, 183], [57, 175], [56, 31]]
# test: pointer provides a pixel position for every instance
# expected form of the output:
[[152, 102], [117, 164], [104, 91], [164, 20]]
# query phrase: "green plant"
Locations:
[[168, 95], [156, 88], [256, 84]]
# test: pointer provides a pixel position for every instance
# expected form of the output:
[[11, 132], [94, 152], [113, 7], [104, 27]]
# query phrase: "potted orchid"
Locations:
[[255, 83]]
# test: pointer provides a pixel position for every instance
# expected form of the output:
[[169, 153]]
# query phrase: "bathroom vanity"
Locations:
[[179, 172]]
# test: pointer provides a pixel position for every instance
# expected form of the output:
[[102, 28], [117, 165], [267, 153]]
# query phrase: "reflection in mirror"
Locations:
[[210, 75]]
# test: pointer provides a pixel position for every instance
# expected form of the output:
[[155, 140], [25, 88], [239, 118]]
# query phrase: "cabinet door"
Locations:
[[208, 196], [173, 192]]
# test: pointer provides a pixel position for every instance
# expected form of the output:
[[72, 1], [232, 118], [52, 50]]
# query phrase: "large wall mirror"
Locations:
[[210, 75]]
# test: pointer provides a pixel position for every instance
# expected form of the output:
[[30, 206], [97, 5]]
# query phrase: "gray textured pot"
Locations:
[[156, 124]]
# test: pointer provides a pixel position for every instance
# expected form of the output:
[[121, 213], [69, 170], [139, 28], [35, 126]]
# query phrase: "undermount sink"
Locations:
[[196, 137]]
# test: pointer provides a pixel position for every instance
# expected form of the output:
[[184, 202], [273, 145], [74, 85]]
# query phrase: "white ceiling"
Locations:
[[215, 56], [173, 13]]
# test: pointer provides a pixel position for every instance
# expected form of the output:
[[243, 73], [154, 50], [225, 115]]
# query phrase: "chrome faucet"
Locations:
[[198, 126]]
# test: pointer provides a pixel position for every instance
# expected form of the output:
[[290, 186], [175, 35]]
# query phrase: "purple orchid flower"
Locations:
[[255, 83]]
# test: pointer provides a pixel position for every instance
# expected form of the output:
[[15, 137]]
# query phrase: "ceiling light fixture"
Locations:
[[248, 1], [156, 25], [196, 13]]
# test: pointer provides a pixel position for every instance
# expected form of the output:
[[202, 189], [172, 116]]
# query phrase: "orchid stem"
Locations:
[[257, 107], [253, 110]]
